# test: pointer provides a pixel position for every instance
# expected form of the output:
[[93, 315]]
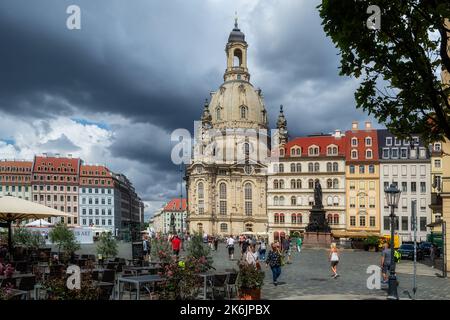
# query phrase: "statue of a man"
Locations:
[[318, 194]]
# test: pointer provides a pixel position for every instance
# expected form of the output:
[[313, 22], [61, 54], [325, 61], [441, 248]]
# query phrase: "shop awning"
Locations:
[[353, 234]]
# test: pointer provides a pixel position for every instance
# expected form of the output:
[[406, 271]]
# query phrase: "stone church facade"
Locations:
[[226, 180]]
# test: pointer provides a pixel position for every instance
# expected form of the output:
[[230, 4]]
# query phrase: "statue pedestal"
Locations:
[[318, 233], [317, 239]]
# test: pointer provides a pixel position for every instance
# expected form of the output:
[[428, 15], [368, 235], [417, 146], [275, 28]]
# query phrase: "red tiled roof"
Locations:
[[16, 164], [174, 205], [321, 141], [361, 135], [94, 171], [40, 163]]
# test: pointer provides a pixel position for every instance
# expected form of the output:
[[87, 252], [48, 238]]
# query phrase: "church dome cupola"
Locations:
[[236, 50], [236, 35]]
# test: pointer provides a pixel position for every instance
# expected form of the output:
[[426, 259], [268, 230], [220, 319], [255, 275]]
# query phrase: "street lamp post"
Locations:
[[392, 197]]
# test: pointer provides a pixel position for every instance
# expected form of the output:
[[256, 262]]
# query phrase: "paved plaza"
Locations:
[[309, 277]]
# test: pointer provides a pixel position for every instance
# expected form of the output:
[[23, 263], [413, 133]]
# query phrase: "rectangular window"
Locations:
[[385, 153], [362, 221], [437, 163], [386, 170], [413, 170], [404, 153], [352, 202], [361, 169], [404, 187], [201, 207], [352, 185], [372, 222], [423, 223], [389, 141], [404, 171], [362, 185], [395, 170], [372, 203], [423, 187], [386, 223], [423, 206], [404, 204], [372, 185], [413, 187], [109, 212], [395, 153], [353, 221], [422, 170], [223, 208], [405, 223]]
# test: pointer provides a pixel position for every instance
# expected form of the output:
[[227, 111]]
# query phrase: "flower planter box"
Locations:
[[250, 294]]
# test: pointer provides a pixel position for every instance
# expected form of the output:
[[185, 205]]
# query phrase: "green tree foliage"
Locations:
[[107, 245], [26, 238], [399, 63], [197, 249], [64, 238]]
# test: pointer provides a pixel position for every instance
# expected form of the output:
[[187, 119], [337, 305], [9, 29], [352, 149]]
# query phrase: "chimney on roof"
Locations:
[[368, 125], [355, 125], [337, 133], [69, 156], [57, 155], [45, 154]]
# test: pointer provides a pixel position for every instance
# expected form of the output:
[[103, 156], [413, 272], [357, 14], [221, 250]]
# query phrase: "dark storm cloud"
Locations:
[[154, 62], [61, 144], [47, 73]]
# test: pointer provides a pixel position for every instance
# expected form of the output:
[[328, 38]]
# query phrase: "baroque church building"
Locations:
[[226, 180]]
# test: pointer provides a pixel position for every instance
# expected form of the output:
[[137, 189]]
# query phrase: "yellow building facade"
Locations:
[[362, 180]]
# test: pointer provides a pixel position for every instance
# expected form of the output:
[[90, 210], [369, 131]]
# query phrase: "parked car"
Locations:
[[426, 246], [407, 251]]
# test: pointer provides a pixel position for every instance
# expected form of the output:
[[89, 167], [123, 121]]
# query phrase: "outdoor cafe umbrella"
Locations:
[[39, 223], [16, 209]]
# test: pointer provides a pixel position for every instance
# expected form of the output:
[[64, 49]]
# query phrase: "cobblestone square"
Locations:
[[309, 277]]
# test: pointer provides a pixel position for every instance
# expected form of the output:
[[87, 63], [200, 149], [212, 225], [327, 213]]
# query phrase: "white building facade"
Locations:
[[291, 184], [410, 169]]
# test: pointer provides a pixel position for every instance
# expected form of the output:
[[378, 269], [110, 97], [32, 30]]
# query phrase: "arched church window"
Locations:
[[244, 112], [218, 113], [248, 199]]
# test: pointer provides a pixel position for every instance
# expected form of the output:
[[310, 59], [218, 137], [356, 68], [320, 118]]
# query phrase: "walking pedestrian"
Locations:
[[432, 254], [176, 244], [145, 248], [334, 259], [230, 246], [216, 243], [262, 250], [286, 245], [244, 247], [386, 261], [299, 244], [274, 261]]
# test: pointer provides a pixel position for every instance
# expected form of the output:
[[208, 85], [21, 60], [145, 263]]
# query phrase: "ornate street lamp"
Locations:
[[392, 197]]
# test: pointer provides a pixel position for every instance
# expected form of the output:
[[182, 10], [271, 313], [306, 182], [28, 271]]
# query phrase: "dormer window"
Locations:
[[313, 151], [354, 142], [354, 154], [368, 142], [296, 151], [282, 152], [369, 154], [437, 147], [389, 141], [332, 150]]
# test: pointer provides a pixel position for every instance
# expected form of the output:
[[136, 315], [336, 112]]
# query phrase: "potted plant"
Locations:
[[64, 238], [106, 246], [250, 280], [371, 244]]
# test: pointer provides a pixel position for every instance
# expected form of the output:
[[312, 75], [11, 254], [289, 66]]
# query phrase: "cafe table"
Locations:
[[137, 281]]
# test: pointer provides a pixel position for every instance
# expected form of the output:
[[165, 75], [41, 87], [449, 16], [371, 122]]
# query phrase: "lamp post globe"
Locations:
[[392, 194]]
